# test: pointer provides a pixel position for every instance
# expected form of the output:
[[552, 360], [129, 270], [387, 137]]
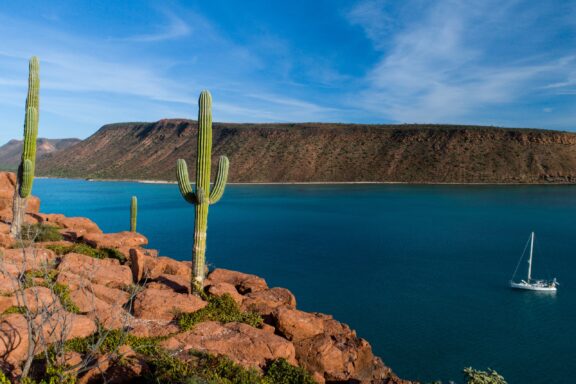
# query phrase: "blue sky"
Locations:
[[504, 63]]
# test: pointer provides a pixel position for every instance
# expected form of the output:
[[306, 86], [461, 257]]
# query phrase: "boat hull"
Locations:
[[534, 287]]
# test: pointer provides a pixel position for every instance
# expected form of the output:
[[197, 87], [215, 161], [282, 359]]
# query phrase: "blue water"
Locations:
[[419, 271]]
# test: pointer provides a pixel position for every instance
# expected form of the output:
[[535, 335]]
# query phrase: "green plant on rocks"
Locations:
[[133, 213], [220, 308], [25, 173], [474, 376], [40, 232], [203, 196]]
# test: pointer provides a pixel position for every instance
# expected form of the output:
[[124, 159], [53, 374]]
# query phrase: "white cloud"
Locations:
[[442, 68], [175, 28]]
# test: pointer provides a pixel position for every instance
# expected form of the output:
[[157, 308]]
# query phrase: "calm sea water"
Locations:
[[419, 271]]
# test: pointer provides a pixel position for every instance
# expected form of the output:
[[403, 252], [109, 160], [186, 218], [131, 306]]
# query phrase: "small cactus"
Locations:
[[25, 175], [203, 197], [133, 213]]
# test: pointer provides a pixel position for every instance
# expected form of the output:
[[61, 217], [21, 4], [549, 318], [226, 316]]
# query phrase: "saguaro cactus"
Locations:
[[202, 197], [25, 175], [133, 213]]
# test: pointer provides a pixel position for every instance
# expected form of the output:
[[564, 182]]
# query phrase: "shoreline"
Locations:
[[144, 181]]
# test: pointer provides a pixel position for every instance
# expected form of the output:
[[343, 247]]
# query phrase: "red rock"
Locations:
[[27, 259], [13, 338], [163, 304], [243, 282], [115, 240], [57, 326], [107, 272], [243, 344], [152, 328], [38, 300], [297, 325], [151, 267], [264, 302], [110, 296], [8, 283], [175, 283], [6, 302], [219, 289], [339, 356], [80, 225]]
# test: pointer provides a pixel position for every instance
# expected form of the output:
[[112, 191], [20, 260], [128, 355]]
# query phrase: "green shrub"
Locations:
[[474, 376], [220, 308], [88, 250], [282, 372], [63, 293], [14, 309], [40, 232]]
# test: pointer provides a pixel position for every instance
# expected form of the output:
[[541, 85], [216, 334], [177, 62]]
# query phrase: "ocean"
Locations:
[[420, 271]]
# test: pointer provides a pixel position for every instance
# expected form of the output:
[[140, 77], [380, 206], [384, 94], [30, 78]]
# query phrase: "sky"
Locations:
[[506, 63]]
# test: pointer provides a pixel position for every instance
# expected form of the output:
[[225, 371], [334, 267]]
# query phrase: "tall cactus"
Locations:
[[203, 197], [25, 175], [133, 213]]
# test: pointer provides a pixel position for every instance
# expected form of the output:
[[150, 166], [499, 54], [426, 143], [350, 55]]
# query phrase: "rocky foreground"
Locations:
[[145, 295]]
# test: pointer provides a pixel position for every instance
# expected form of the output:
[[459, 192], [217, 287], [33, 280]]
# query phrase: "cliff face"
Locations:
[[11, 152], [314, 152]]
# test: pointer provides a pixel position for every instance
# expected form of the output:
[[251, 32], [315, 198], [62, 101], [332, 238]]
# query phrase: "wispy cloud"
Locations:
[[442, 67], [175, 28]]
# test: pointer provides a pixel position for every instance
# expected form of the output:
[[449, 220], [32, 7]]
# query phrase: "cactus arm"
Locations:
[[184, 182], [221, 178], [133, 213]]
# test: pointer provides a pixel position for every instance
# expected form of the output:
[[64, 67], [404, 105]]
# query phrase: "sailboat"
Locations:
[[529, 283]]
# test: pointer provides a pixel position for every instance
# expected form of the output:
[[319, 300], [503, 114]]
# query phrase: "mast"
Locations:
[[530, 260]]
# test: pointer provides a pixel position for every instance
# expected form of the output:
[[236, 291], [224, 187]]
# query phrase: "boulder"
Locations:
[[221, 288], [13, 338], [107, 272], [8, 284], [109, 295], [27, 259], [164, 304], [152, 328], [266, 301], [38, 300], [75, 226], [243, 282], [115, 240], [176, 283], [58, 326], [297, 325], [149, 267], [243, 344]]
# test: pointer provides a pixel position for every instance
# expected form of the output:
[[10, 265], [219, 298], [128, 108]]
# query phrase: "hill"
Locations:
[[11, 152], [315, 152]]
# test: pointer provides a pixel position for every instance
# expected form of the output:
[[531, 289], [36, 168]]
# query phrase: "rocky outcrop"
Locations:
[[245, 345], [68, 296]]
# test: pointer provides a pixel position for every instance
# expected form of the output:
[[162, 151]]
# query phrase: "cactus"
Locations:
[[25, 175], [203, 197], [133, 213]]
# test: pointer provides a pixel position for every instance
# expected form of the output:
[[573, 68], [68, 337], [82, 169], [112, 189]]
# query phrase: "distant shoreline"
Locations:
[[141, 181]]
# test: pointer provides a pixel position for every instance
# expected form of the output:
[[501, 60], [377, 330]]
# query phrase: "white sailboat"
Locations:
[[529, 283]]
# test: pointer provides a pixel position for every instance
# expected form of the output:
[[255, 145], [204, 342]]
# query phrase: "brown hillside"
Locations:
[[313, 152]]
